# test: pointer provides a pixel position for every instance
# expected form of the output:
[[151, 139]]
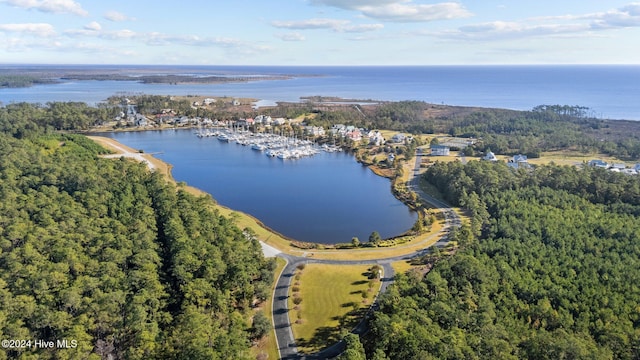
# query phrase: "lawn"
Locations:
[[332, 301]]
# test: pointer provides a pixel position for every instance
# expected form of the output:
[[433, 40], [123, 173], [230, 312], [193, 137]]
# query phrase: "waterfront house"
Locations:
[[314, 130], [354, 135], [439, 150], [375, 138]]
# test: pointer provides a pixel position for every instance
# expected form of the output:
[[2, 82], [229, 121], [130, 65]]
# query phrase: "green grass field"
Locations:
[[332, 301]]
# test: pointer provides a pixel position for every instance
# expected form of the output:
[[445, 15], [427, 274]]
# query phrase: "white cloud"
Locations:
[[555, 26], [93, 26], [360, 28], [49, 6], [37, 29], [291, 37], [310, 24], [400, 10], [161, 39], [329, 24], [116, 16]]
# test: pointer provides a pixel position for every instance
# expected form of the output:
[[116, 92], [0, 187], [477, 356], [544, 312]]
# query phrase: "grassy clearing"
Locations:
[[332, 301], [401, 267]]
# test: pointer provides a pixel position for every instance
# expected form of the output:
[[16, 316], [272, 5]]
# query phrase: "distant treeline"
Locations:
[[18, 81], [167, 79]]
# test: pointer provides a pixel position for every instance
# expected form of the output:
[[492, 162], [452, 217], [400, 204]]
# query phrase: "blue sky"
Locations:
[[320, 32]]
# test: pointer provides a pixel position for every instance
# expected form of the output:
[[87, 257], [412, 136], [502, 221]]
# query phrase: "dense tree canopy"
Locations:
[[554, 274], [107, 253]]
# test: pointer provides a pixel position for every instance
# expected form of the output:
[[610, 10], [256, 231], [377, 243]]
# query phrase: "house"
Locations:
[[209, 101], [235, 102], [141, 120], [598, 163], [398, 138], [263, 119], [314, 130], [375, 138], [519, 162], [439, 150], [391, 157], [354, 134], [637, 168], [490, 156]]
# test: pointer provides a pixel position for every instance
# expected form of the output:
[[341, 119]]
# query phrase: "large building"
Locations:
[[439, 150]]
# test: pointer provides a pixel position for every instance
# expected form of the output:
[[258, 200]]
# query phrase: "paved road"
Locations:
[[281, 322]]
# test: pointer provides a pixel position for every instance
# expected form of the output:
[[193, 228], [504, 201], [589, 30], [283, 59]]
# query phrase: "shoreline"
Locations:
[[165, 170], [264, 233]]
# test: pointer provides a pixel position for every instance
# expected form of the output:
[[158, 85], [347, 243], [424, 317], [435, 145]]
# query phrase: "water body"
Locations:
[[328, 198], [610, 91]]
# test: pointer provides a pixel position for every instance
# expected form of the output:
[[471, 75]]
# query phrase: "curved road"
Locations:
[[281, 323]]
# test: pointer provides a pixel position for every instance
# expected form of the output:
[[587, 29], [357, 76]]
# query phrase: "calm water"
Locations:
[[328, 198], [610, 91]]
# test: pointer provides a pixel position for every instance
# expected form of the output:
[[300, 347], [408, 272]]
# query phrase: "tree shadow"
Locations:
[[326, 336]]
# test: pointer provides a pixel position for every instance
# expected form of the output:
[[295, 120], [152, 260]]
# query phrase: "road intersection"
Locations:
[[281, 322]]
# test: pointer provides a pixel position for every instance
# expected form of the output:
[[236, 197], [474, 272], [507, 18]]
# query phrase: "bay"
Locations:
[[610, 91], [328, 198]]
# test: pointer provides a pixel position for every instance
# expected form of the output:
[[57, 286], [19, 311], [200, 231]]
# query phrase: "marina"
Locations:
[[273, 145]]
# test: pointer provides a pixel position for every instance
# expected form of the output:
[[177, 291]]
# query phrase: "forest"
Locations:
[[549, 268], [111, 255]]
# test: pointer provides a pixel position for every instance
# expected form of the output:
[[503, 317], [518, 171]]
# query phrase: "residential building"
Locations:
[[519, 162], [439, 150], [490, 156]]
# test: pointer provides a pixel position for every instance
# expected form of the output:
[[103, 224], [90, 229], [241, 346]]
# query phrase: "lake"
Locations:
[[328, 198]]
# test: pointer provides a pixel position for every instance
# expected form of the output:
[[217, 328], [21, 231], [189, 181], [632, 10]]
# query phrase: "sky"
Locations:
[[319, 32]]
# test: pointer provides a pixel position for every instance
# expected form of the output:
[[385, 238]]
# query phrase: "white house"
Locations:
[[375, 138], [398, 138], [490, 156], [314, 130], [439, 150], [519, 161]]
